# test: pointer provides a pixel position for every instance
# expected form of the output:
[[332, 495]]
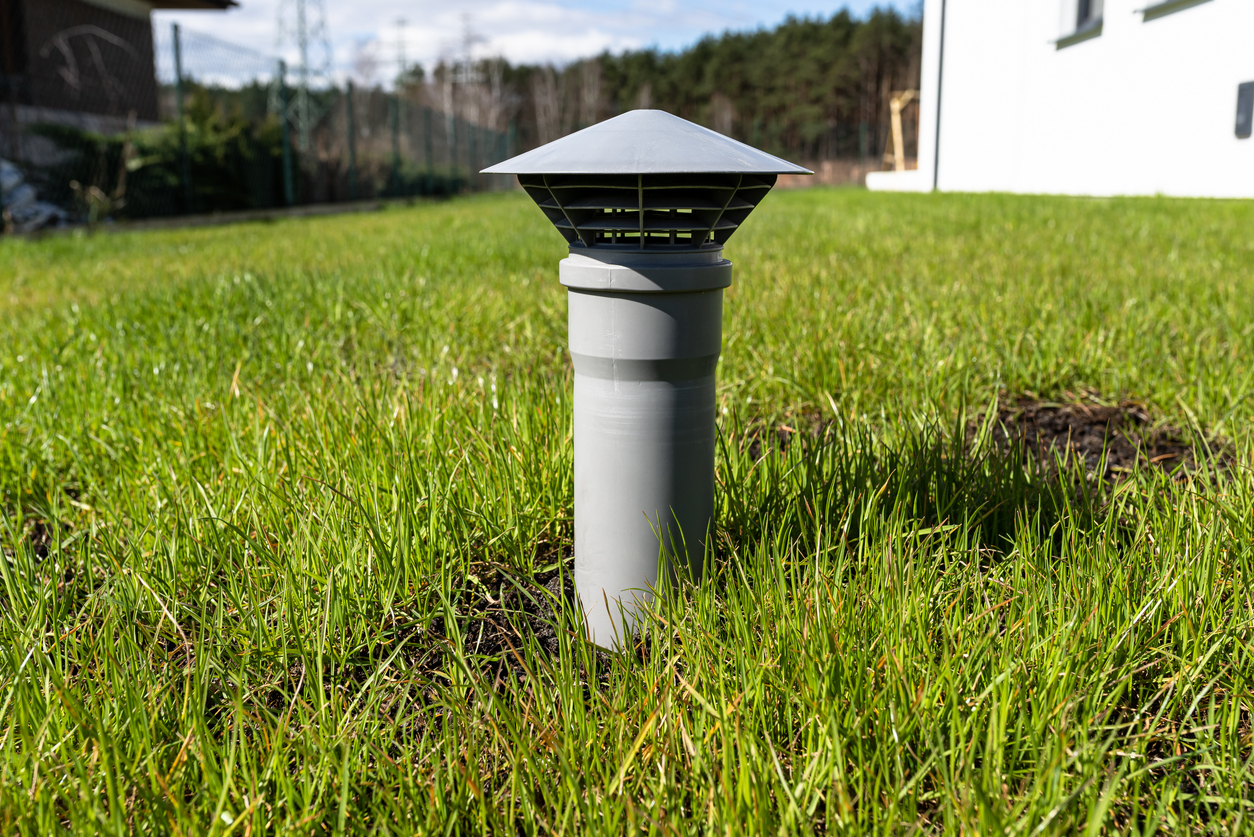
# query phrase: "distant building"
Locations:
[[1085, 97], [87, 63]]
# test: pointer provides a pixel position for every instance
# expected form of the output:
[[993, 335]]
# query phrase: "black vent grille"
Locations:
[[647, 211]]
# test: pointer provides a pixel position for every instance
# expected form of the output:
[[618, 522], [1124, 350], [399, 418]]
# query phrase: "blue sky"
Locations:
[[363, 34]]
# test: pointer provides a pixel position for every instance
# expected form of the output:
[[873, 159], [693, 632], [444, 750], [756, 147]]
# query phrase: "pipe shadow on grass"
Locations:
[[794, 484], [806, 486], [799, 485]]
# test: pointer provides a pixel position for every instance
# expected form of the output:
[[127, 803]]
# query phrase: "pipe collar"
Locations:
[[625, 271]]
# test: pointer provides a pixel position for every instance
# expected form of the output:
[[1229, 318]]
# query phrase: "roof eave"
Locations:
[[499, 170], [210, 5]]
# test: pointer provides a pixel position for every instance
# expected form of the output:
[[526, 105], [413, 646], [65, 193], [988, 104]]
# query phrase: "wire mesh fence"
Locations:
[[104, 118]]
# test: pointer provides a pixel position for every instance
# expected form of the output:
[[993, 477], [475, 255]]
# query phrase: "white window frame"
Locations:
[[1073, 30]]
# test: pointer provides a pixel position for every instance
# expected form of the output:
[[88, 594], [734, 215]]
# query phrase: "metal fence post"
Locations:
[[428, 149], [352, 143], [507, 148], [452, 151], [185, 169], [288, 197], [394, 113], [472, 135]]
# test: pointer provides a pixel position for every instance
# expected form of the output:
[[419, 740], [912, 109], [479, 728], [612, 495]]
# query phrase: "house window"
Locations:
[[1081, 20], [1087, 13], [1245, 109]]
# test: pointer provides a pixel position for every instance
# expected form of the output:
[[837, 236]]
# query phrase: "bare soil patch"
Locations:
[[504, 611], [1113, 439]]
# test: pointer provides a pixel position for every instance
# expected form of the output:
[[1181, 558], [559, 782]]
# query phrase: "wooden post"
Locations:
[[895, 105]]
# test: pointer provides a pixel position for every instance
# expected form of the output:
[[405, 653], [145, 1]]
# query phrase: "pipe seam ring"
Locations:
[[646, 279], [635, 369]]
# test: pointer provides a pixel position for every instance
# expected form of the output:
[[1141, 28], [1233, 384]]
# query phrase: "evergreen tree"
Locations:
[[811, 88]]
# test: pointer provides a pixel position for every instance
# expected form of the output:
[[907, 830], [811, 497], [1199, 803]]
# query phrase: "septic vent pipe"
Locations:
[[645, 201]]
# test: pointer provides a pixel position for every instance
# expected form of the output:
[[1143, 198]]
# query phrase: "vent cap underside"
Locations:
[[647, 211]]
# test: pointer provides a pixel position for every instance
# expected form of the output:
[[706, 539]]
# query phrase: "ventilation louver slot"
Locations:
[[647, 211]]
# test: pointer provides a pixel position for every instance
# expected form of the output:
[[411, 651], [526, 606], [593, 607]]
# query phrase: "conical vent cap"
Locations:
[[646, 142], [646, 180]]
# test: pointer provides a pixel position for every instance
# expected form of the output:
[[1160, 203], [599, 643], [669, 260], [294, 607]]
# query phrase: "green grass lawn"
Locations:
[[259, 484]]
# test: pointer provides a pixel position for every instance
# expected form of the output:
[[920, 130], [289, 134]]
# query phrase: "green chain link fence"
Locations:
[[119, 124]]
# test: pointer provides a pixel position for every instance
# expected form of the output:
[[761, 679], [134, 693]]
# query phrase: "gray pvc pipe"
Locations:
[[645, 334]]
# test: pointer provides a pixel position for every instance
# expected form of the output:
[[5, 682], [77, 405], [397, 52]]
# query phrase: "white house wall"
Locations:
[[1146, 107]]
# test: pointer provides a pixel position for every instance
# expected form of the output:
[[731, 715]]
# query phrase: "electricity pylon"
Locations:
[[401, 63], [303, 24]]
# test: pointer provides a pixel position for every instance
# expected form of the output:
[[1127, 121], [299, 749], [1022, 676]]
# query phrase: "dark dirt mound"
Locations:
[[760, 438], [41, 536], [503, 609], [1086, 429], [496, 629], [1082, 427]]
